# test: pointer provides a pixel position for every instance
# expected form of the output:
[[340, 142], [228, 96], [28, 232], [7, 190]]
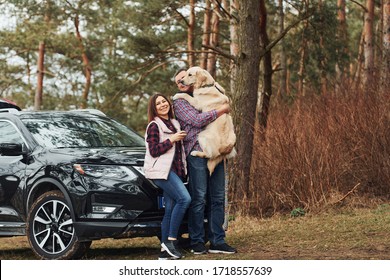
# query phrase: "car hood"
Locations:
[[117, 156]]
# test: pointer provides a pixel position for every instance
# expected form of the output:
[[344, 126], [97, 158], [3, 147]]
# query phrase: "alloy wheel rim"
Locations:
[[53, 227]]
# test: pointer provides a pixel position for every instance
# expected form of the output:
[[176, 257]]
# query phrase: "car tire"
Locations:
[[50, 229]]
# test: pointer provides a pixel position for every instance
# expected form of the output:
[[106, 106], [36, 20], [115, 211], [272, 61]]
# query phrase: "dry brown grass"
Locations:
[[348, 233], [319, 150]]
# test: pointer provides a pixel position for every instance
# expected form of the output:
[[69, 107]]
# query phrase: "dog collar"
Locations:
[[212, 85]]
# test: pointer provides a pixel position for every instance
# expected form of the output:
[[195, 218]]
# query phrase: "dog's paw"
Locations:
[[177, 96], [198, 154], [225, 150], [232, 154]]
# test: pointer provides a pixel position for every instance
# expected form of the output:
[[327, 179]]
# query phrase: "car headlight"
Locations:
[[105, 171]]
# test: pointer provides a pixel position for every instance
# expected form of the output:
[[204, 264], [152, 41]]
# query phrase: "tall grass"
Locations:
[[320, 151]]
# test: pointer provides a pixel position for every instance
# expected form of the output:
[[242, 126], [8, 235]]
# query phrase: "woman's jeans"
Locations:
[[177, 200], [202, 188]]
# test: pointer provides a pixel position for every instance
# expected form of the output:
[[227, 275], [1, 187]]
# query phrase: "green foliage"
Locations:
[[126, 43], [383, 209], [297, 212], [134, 47], [324, 48]]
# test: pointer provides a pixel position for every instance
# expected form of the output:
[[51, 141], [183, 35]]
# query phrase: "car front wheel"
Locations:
[[50, 229]]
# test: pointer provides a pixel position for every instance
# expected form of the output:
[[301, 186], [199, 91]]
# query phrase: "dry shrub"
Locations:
[[319, 151]]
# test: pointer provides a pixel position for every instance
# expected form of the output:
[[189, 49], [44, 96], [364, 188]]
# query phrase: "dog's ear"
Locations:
[[199, 78], [208, 79], [202, 77]]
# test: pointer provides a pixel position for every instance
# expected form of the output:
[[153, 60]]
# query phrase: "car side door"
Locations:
[[12, 170]]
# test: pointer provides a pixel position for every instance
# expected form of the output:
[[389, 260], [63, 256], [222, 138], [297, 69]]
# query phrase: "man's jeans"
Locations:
[[202, 188], [177, 200]]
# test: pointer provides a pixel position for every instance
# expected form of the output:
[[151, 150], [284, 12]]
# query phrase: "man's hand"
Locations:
[[224, 109]]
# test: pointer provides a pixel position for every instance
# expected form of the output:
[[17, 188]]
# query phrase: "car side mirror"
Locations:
[[12, 149]]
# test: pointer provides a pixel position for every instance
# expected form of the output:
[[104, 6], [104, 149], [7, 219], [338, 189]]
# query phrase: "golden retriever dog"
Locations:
[[217, 140]]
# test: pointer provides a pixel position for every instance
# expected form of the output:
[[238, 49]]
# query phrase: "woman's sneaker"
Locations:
[[222, 249], [165, 256], [171, 247]]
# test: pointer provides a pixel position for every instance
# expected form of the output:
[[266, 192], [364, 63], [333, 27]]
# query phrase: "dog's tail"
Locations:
[[213, 162]]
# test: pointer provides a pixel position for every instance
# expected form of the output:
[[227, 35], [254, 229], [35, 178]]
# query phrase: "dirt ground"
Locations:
[[357, 234], [120, 250]]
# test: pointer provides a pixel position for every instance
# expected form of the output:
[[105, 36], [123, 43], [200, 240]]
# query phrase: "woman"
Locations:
[[165, 164]]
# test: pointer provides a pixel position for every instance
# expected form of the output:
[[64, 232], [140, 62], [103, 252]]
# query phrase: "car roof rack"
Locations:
[[92, 111], [10, 110]]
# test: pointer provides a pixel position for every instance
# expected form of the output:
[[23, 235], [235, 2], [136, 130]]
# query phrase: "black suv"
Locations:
[[68, 178]]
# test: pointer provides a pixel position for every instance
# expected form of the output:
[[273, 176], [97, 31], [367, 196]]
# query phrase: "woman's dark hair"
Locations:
[[152, 111]]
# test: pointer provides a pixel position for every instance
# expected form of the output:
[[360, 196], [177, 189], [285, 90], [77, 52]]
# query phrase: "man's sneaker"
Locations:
[[164, 255], [171, 247], [198, 249], [222, 249]]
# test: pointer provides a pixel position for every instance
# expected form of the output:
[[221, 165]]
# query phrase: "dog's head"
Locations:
[[197, 77]]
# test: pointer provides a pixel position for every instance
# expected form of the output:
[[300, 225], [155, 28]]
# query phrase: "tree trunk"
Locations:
[[378, 55], [283, 58], [190, 35], [360, 62], [245, 96], [206, 34], [368, 81], [87, 65], [41, 62], [212, 60], [40, 73], [301, 71], [322, 62], [343, 38], [267, 66], [385, 73], [234, 48]]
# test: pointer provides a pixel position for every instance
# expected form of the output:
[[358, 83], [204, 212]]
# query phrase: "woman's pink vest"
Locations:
[[159, 167]]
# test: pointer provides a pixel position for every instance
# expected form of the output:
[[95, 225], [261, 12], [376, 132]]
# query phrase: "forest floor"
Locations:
[[345, 234]]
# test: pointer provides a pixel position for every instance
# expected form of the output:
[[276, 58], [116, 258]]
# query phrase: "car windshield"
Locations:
[[81, 131]]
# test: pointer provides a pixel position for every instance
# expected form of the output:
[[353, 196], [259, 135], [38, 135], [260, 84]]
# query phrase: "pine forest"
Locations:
[[308, 82]]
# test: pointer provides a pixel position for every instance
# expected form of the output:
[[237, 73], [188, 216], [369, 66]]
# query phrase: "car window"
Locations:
[[9, 133], [69, 131]]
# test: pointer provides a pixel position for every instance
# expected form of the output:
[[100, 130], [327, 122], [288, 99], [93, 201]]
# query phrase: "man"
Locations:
[[202, 186]]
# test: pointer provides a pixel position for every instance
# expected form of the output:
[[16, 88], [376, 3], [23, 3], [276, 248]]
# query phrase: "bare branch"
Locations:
[[223, 10], [360, 5], [348, 193], [221, 52], [140, 78], [285, 31], [146, 73], [183, 18], [186, 51]]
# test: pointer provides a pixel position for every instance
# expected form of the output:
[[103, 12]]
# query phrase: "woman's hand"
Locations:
[[178, 136]]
